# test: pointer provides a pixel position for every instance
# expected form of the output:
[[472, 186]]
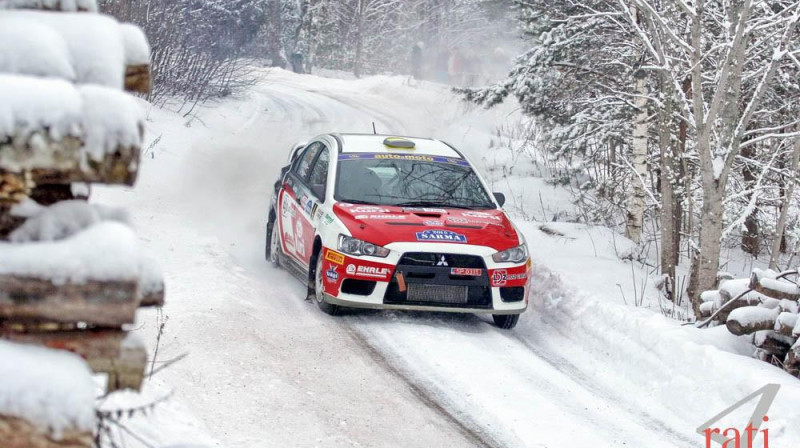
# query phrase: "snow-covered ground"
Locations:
[[585, 366]]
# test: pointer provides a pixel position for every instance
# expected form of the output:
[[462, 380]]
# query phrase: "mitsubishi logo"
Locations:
[[442, 262]]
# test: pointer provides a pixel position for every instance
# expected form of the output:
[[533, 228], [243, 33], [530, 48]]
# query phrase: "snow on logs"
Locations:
[[764, 306]]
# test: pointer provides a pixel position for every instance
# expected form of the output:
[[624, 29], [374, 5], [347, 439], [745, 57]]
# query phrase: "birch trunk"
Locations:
[[776, 245], [636, 202]]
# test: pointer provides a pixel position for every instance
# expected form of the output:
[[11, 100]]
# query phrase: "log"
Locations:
[[749, 319], [51, 5], [125, 371], [741, 302], [88, 344], [137, 78], [52, 161], [152, 298], [785, 323], [792, 361], [773, 343], [770, 287], [18, 433], [104, 304]]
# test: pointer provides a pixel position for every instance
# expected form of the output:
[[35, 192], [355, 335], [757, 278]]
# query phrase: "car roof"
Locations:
[[374, 143]]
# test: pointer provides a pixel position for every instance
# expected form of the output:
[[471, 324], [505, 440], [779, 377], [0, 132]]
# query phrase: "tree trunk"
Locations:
[[669, 206], [637, 199], [706, 263], [776, 245], [750, 239]]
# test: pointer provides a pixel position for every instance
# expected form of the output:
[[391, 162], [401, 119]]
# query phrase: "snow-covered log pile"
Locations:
[[764, 306], [72, 274]]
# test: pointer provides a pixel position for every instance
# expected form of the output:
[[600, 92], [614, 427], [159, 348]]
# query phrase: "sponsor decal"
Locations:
[[475, 272], [285, 207], [481, 215], [334, 257], [443, 236], [362, 209], [327, 219], [396, 217], [309, 206], [425, 210], [433, 223], [331, 275], [412, 157], [457, 220], [367, 271], [314, 210], [501, 276]]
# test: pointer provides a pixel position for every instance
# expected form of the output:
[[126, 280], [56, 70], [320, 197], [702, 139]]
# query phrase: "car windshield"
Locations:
[[424, 181]]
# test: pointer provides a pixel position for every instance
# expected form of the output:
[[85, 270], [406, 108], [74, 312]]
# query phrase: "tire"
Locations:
[[273, 243], [505, 321], [319, 297]]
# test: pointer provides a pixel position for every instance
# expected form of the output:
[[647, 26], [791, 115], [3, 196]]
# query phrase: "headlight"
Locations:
[[514, 255], [355, 246]]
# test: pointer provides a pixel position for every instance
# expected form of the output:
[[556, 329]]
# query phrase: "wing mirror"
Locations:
[[318, 191], [500, 197]]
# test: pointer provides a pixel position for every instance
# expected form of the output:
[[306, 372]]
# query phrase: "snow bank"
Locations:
[[64, 219], [94, 45], [105, 251], [103, 118], [137, 50], [61, 5], [51, 389]]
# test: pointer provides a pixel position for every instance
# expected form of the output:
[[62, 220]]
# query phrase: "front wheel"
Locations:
[[319, 292], [506, 321], [273, 243]]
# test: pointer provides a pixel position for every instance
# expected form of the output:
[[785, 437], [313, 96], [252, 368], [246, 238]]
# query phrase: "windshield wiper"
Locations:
[[358, 201], [441, 204]]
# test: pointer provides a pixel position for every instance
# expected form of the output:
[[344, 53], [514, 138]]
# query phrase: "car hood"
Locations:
[[383, 225]]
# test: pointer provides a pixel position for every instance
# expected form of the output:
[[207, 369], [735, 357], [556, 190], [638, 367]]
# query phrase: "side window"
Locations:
[[303, 163], [319, 174]]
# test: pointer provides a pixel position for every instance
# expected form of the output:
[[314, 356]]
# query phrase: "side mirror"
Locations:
[[500, 197], [318, 191]]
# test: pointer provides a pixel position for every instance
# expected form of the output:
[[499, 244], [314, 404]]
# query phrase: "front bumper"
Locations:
[[369, 282]]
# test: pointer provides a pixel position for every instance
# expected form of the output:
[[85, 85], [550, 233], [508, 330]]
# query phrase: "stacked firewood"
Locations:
[[72, 275], [764, 306]]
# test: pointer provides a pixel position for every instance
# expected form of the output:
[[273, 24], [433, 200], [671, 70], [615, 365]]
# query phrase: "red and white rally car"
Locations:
[[372, 221]]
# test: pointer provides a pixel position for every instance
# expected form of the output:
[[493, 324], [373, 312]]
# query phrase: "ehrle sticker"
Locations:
[[481, 215], [369, 210], [386, 217], [444, 236], [367, 271]]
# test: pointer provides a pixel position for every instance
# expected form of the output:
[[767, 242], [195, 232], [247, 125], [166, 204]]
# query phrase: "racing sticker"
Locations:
[[413, 157], [362, 209], [424, 210], [501, 276], [433, 223], [331, 275], [482, 215], [367, 271], [334, 257], [441, 236], [384, 217], [474, 272]]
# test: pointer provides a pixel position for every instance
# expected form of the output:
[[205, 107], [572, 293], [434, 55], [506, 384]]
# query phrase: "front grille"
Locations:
[[421, 292], [430, 279]]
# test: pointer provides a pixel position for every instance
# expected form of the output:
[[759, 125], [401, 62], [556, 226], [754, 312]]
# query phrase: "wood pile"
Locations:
[[765, 306], [60, 124]]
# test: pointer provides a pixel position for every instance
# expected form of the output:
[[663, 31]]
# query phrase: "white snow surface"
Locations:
[[64, 219], [63, 5], [753, 314], [93, 45], [104, 251], [51, 389], [585, 367], [103, 118], [137, 49]]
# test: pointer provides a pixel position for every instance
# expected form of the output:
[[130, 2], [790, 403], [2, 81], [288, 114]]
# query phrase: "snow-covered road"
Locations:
[[267, 369]]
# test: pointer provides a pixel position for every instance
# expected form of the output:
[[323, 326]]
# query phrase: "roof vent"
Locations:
[[399, 143]]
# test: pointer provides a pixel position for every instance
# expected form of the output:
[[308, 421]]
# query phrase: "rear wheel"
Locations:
[[506, 321], [273, 243], [319, 293]]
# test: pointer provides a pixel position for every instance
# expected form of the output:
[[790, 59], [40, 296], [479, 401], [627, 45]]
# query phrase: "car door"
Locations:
[[296, 205]]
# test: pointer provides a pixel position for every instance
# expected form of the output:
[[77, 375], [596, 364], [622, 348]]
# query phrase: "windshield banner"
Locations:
[[412, 157]]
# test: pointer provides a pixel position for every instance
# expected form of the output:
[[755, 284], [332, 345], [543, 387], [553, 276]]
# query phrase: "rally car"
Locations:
[[372, 221]]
